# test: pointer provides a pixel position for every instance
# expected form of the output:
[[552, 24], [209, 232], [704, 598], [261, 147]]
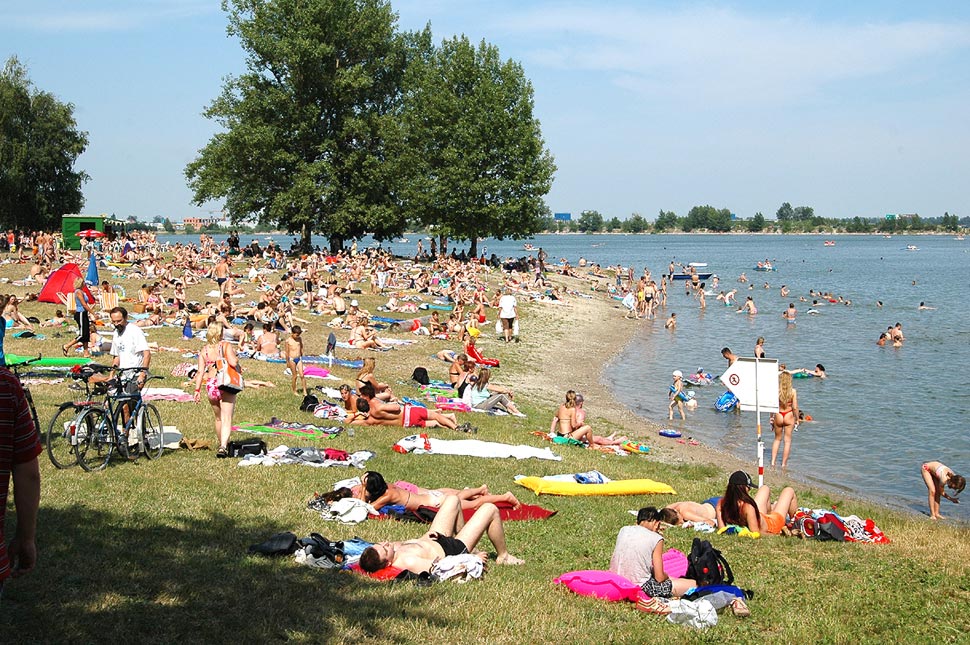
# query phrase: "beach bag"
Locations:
[[830, 528], [246, 447], [707, 566], [309, 403], [420, 374], [228, 378]]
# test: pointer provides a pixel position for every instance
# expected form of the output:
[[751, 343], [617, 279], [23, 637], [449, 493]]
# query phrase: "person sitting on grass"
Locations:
[[449, 535], [378, 493], [638, 557], [564, 423], [480, 396], [758, 514]]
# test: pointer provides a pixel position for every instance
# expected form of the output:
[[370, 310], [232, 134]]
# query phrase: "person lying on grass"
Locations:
[[378, 493], [409, 416], [449, 535]]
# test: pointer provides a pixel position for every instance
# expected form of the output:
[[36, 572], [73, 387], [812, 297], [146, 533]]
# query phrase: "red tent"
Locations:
[[62, 281]]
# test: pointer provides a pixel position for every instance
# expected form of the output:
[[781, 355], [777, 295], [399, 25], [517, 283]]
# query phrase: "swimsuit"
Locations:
[[774, 522], [713, 501], [450, 545], [414, 416]]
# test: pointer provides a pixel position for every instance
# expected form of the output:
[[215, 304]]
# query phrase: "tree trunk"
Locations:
[[336, 244], [473, 251], [442, 245], [306, 246]]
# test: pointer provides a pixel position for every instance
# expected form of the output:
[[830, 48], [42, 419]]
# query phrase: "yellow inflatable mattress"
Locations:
[[621, 487]]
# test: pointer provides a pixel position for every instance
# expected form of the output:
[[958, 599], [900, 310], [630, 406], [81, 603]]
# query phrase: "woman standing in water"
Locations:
[[783, 421]]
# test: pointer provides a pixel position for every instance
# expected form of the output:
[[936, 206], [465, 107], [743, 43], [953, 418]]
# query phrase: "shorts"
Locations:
[[84, 326], [507, 323], [450, 545], [414, 416], [656, 589], [221, 281], [775, 522], [212, 390]]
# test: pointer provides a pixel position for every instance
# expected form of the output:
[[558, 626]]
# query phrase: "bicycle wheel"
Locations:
[[151, 431], [95, 440], [62, 436]]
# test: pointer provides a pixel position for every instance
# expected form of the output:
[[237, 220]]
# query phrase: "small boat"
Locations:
[[689, 276], [888, 237], [698, 265], [829, 242], [911, 247], [959, 238], [401, 240], [764, 267], [528, 247]]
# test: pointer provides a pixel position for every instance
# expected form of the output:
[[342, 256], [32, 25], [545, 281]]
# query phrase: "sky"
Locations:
[[853, 108]]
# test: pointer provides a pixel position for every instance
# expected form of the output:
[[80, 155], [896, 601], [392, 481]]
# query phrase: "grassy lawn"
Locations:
[[156, 551]]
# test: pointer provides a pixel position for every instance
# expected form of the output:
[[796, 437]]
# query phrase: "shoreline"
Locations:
[[598, 327]]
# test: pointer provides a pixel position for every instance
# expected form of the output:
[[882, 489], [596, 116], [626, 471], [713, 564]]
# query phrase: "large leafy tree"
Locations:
[[472, 148], [306, 127], [39, 145]]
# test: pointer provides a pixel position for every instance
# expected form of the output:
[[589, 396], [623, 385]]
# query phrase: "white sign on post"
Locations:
[[755, 383]]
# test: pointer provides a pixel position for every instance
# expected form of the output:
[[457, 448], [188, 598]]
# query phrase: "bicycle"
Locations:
[[62, 430], [100, 431], [30, 399]]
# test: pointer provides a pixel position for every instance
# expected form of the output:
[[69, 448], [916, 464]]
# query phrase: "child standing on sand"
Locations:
[[676, 396], [293, 351]]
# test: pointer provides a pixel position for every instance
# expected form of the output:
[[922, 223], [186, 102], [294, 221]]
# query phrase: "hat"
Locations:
[[740, 478], [353, 303], [678, 374]]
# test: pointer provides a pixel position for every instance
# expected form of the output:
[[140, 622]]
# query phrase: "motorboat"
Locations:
[[829, 242]]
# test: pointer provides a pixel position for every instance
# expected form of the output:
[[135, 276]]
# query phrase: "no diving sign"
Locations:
[[755, 383]]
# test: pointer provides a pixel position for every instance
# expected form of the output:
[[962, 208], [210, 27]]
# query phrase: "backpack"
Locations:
[[309, 402], [420, 374], [830, 527], [707, 566]]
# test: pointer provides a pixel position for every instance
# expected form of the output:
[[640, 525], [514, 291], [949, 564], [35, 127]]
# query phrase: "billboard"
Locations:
[[562, 217]]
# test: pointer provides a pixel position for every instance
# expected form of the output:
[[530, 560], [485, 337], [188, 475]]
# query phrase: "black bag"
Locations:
[[420, 374], [279, 544], [246, 447], [321, 547], [309, 402], [707, 566]]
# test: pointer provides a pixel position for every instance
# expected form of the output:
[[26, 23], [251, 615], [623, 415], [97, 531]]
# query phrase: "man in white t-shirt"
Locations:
[[507, 313], [130, 349]]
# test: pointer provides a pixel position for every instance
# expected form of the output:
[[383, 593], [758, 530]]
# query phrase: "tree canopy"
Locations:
[[475, 164], [305, 128], [39, 145]]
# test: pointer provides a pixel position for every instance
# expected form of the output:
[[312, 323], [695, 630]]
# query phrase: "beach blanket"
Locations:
[[294, 429], [166, 394], [426, 514], [422, 444], [329, 361], [541, 486], [284, 455]]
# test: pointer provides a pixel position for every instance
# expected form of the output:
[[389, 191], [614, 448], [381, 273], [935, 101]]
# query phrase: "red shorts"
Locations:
[[414, 416]]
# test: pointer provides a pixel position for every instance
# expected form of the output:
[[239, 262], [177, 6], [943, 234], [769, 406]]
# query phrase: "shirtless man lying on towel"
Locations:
[[449, 535]]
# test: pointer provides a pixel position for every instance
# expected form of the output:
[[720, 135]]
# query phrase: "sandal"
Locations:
[[653, 606], [740, 608], [64, 350], [222, 452]]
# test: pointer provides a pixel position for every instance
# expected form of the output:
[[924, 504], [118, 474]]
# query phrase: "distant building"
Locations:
[[200, 222]]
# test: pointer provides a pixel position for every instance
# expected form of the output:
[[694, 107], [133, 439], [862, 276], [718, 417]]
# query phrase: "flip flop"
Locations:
[[64, 350]]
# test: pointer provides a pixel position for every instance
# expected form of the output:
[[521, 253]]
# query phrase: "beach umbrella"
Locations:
[[90, 234], [92, 276]]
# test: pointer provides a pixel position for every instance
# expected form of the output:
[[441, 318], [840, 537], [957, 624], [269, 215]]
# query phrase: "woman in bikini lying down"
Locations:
[[378, 493]]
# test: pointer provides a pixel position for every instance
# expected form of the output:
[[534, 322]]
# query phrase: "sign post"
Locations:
[[755, 382]]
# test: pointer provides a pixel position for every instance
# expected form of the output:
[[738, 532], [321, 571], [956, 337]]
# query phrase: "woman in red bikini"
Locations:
[[783, 422]]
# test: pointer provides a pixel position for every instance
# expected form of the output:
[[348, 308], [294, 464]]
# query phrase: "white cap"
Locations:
[[353, 303], [678, 374]]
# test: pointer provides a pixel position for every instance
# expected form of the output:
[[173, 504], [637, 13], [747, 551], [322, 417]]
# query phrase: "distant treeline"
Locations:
[[800, 219]]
